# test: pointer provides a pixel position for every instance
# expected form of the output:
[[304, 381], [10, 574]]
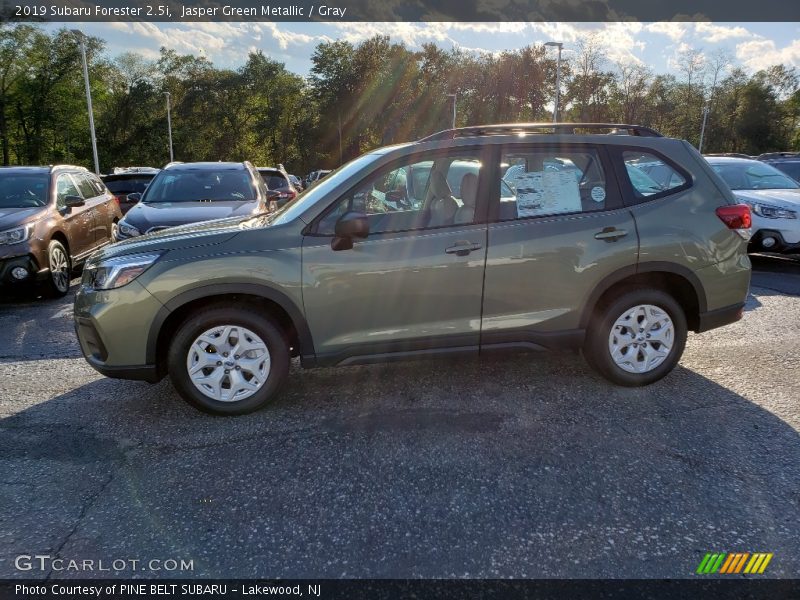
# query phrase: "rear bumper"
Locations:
[[720, 317]]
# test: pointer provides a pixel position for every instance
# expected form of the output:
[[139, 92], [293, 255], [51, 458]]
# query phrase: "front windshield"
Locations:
[[204, 185], [753, 176], [301, 203], [23, 190], [792, 169]]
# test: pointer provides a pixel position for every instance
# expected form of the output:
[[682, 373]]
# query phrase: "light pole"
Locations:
[[453, 96], [558, 45], [169, 127], [81, 39]]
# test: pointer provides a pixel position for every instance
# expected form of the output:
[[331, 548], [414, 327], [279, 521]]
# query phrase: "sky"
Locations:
[[657, 45]]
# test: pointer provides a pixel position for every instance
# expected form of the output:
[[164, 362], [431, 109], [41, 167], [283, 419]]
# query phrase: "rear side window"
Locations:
[[128, 186], [650, 175], [85, 186], [98, 185], [543, 182], [274, 180]]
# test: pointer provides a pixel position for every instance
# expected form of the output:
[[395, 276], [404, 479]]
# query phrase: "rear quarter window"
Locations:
[[652, 176]]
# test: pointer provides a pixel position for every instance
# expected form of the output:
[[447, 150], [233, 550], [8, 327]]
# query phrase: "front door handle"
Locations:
[[462, 248], [610, 234]]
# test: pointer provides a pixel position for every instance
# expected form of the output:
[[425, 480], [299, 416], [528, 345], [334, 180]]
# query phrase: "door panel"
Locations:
[[395, 292], [94, 205], [541, 272], [561, 231], [78, 221]]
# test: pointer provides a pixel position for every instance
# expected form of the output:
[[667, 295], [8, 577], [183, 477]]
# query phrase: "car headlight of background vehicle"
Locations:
[[116, 272], [16, 235], [772, 212], [128, 230]]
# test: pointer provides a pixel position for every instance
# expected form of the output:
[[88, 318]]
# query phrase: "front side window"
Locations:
[[650, 175], [417, 194], [540, 182], [65, 187]]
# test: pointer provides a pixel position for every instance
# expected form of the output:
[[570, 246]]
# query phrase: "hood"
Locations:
[[208, 233], [14, 217], [169, 214], [780, 198]]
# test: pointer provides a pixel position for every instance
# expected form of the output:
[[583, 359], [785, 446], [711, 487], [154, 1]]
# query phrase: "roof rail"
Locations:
[[543, 128], [728, 155], [778, 155]]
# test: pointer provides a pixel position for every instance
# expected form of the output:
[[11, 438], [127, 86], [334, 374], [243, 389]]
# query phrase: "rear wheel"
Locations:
[[228, 361], [60, 267], [636, 338]]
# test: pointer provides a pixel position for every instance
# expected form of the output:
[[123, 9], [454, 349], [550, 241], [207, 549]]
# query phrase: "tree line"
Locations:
[[358, 97]]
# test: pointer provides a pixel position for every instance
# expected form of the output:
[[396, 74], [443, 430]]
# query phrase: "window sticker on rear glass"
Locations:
[[546, 193]]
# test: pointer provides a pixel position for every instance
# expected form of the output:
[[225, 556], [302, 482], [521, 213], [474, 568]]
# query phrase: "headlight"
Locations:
[[128, 230], [16, 235], [116, 272], [772, 212]]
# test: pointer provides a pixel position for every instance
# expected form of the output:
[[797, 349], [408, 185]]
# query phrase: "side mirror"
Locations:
[[134, 197], [350, 225], [273, 195], [73, 201]]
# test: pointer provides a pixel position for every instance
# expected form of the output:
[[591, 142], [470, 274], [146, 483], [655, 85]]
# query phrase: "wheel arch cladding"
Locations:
[[680, 283], [273, 302]]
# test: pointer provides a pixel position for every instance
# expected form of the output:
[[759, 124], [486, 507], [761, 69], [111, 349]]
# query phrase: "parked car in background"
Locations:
[[296, 182], [773, 197], [279, 184], [128, 180], [193, 192], [315, 176], [51, 219], [788, 162], [583, 258]]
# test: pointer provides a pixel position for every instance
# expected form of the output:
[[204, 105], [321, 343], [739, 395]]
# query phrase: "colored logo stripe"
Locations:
[[734, 562], [758, 563]]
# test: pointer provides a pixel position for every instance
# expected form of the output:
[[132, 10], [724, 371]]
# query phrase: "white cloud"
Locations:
[[674, 31], [719, 33], [760, 53]]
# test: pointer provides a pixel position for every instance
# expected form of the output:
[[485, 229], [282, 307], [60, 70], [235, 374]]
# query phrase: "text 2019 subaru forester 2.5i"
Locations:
[[542, 236]]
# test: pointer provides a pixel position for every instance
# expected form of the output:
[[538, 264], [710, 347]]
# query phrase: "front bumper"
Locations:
[[780, 244], [113, 329], [27, 262]]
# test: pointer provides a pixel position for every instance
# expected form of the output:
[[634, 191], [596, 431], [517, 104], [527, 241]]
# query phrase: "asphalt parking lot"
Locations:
[[513, 466]]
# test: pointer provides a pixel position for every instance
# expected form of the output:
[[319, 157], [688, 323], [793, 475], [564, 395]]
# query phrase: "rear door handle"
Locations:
[[462, 248], [610, 234]]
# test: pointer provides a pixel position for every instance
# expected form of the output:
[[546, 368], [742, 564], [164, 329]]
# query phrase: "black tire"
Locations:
[[60, 265], [596, 347], [248, 318]]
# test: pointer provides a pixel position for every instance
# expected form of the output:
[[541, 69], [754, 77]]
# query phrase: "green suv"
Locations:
[[471, 240]]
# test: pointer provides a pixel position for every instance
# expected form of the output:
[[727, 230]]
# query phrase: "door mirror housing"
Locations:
[[73, 201], [349, 226], [134, 197], [352, 225]]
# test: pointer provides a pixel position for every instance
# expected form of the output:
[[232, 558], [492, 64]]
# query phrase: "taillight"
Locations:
[[736, 216], [117, 200]]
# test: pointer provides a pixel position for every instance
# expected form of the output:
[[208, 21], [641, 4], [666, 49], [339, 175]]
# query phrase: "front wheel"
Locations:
[[636, 338], [60, 270], [228, 361]]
